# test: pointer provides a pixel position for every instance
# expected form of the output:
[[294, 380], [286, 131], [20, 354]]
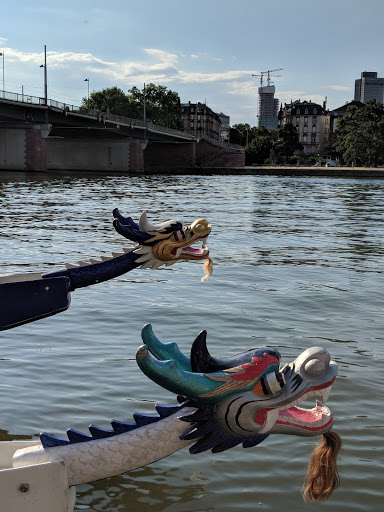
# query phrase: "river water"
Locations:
[[297, 262]]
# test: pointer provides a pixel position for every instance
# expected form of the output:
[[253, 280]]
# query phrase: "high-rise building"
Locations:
[[268, 107], [369, 87]]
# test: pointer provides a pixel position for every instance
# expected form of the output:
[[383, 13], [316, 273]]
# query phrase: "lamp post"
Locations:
[[87, 80], [45, 75], [144, 109], [2, 55]]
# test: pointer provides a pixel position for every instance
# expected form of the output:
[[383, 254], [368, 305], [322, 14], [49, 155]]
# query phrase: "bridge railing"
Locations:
[[36, 100]]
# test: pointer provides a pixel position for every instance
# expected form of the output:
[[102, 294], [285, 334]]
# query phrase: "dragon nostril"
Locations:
[[315, 367]]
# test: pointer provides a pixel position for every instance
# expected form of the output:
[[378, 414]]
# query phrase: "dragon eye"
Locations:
[[200, 226], [315, 367]]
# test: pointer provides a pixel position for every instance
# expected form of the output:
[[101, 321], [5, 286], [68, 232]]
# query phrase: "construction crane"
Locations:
[[261, 75], [268, 73]]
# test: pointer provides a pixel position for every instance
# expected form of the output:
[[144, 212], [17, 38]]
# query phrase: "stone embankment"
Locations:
[[331, 172]]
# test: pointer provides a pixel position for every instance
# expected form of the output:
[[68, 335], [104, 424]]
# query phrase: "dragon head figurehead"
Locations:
[[165, 243], [249, 394]]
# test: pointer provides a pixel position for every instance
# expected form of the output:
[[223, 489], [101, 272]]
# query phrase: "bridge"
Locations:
[[38, 134]]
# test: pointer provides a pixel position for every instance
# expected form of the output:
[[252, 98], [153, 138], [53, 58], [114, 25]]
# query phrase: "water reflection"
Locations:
[[145, 489]]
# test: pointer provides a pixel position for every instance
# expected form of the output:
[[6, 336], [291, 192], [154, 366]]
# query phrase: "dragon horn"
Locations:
[[164, 351], [147, 227], [203, 362], [169, 376]]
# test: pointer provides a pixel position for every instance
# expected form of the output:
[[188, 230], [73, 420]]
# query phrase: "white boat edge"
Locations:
[[37, 488]]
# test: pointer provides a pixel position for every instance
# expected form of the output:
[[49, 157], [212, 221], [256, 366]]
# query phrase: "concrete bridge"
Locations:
[[40, 135]]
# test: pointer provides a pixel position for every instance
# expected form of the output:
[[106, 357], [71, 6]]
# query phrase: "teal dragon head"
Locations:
[[249, 394]]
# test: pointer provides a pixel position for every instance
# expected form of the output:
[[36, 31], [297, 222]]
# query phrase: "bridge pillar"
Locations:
[[23, 147]]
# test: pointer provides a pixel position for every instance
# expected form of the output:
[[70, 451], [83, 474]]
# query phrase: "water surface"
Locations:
[[297, 262]]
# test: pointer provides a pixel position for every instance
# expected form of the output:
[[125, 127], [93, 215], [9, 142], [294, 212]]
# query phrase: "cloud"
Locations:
[[339, 88], [288, 96], [243, 88], [168, 58], [201, 77]]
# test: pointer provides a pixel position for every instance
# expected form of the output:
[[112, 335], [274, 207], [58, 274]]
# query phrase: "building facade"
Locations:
[[312, 122], [225, 127], [198, 120], [268, 107], [369, 87]]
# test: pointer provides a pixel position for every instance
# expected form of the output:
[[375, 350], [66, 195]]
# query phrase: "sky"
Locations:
[[206, 50]]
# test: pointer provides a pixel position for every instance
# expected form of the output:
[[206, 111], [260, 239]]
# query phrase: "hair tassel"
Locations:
[[323, 476]]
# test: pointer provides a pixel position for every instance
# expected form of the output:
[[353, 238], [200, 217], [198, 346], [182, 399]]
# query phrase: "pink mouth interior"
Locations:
[[197, 253], [309, 416]]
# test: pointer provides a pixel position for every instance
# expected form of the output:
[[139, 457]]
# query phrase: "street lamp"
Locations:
[[2, 55], [144, 108], [87, 80], [45, 75]]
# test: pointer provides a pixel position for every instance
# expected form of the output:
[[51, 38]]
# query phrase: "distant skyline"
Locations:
[[207, 51]]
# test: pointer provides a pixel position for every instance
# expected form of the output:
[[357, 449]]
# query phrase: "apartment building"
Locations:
[[198, 119], [312, 122]]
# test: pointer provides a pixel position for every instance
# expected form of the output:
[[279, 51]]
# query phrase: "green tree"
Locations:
[[359, 136], [242, 134], [162, 106], [287, 143], [110, 99], [260, 147]]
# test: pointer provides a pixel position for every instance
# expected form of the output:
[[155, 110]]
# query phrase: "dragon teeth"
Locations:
[[271, 419]]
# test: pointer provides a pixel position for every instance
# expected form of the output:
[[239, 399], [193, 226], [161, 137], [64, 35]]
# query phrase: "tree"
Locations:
[[162, 106], [111, 99], [359, 136], [242, 134], [287, 142], [259, 149]]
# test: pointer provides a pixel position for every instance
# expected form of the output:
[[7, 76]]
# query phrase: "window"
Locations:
[[306, 111], [298, 111], [315, 110]]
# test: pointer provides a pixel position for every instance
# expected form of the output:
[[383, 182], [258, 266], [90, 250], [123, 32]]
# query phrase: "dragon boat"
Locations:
[[31, 296], [221, 402]]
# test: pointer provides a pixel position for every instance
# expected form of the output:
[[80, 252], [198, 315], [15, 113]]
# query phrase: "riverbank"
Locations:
[[329, 172], [304, 172]]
